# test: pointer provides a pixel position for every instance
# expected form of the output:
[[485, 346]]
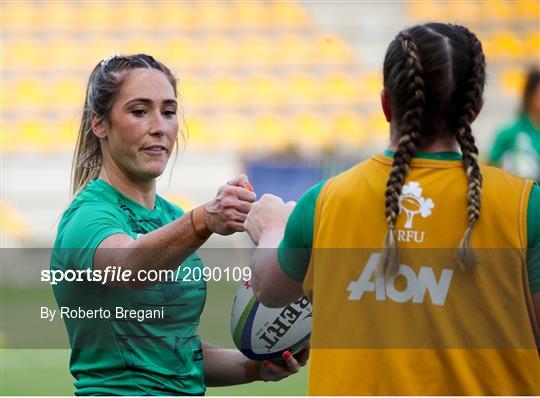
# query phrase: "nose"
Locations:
[[158, 125]]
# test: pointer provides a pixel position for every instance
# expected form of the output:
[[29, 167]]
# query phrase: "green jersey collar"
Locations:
[[449, 155]]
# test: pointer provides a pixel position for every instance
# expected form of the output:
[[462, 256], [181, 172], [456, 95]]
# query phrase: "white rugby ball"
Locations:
[[265, 333]]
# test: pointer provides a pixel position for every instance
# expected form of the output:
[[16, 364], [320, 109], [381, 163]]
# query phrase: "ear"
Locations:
[[386, 107], [98, 126]]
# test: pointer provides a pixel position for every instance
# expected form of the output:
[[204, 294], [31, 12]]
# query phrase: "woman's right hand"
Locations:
[[226, 213]]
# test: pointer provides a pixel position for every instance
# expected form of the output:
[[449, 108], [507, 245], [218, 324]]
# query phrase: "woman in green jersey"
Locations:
[[130, 336], [517, 147]]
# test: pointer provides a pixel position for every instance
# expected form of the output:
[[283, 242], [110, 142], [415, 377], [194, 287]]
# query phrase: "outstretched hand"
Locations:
[[227, 212], [270, 212]]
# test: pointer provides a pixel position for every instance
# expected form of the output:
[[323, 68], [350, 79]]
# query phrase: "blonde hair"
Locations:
[[103, 87]]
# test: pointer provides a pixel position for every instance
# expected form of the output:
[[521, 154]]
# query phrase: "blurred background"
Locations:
[[285, 91]]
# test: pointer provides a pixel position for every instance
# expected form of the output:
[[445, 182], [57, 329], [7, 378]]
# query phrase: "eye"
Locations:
[[138, 112], [169, 113]]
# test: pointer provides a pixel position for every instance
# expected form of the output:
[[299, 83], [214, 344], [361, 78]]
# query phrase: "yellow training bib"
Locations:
[[434, 329]]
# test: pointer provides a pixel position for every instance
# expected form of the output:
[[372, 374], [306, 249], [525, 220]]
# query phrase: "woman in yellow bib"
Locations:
[[423, 266]]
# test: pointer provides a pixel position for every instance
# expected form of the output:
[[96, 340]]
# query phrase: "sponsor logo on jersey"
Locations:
[[417, 284]]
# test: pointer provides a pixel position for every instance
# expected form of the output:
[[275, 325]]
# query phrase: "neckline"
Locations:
[[104, 184], [443, 155]]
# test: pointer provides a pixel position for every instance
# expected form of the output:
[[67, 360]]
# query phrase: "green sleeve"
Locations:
[[83, 231], [533, 239], [294, 251]]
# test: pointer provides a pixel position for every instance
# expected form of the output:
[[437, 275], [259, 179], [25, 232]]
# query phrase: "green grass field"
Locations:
[[45, 372], [26, 369]]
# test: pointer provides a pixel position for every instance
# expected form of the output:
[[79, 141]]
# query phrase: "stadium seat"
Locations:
[[349, 129], [312, 132], [511, 82], [531, 46], [29, 92], [506, 44], [266, 91], [20, 16], [303, 89], [377, 127], [250, 14], [527, 10], [226, 91], [288, 14], [332, 50], [13, 225], [371, 85], [271, 132], [341, 88]]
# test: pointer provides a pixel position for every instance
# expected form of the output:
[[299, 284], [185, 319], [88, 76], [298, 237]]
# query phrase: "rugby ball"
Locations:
[[263, 333]]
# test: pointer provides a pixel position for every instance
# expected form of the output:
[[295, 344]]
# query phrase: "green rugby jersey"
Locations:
[[516, 149], [117, 355], [299, 230]]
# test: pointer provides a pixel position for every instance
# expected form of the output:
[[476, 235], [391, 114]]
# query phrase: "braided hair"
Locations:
[[434, 75]]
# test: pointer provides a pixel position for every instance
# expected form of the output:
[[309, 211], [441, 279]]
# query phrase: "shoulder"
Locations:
[[512, 127], [91, 212], [496, 175], [509, 131], [362, 174], [93, 200]]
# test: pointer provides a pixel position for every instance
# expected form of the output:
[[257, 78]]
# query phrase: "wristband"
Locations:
[[253, 370], [197, 223]]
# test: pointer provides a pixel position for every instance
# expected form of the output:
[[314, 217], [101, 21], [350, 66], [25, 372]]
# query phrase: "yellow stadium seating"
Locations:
[[67, 92], [531, 46], [377, 127], [312, 132], [293, 49], [512, 81], [271, 132], [29, 92], [527, 10], [505, 44], [226, 91], [303, 89], [258, 51], [20, 16], [339, 87], [349, 128], [288, 14], [56, 16], [331, 49], [266, 91], [371, 85], [250, 14], [13, 224]]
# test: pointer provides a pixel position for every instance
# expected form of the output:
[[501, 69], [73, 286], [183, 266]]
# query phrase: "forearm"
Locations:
[[264, 256], [267, 287], [225, 367], [162, 249]]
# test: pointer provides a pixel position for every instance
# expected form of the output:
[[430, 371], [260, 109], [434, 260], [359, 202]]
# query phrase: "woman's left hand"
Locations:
[[272, 371]]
